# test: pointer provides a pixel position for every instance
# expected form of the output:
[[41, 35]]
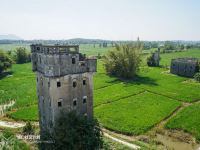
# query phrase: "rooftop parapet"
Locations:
[[54, 49], [58, 60], [186, 60]]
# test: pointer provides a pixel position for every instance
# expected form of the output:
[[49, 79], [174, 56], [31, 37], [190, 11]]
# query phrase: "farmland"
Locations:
[[130, 107], [135, 114], [188, 120]]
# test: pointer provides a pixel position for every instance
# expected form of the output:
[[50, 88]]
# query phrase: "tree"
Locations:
[[74, 132], [5, 61], [124, 60], [169, 46], [22, 56]]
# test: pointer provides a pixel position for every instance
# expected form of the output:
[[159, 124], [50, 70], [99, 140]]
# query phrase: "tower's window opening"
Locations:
[[73, 60], [58, 84], [38, 48], [74, 84], [84, 100], [59, 104], [48, 84], [84, 82], [41, 81], [74, 103]]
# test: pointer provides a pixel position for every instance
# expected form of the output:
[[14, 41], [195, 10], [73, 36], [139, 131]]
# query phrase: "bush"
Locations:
[[124, 60], [22, 56], [197, 77], [5, 61], [28, 129], [74, 132]]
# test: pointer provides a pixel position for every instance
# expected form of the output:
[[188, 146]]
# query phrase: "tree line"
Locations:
[[19, 56]]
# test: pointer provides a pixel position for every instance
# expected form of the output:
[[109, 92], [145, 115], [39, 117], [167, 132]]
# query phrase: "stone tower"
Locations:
[[64, 82], [154, 59]]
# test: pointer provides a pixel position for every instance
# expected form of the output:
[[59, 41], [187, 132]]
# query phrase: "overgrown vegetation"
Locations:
[[124, 60], [5, 61], [75, 132], [9, 141], [28, 129], [22, 55], [197, 77]]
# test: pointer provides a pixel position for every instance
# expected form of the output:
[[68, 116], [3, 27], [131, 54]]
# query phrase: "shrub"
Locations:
[[28, 129], [197, 77], [124, 60], [5, 61], [22, 56], [74, 132]]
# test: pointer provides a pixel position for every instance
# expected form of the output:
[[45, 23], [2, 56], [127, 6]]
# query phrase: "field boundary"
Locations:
[[119, 99]]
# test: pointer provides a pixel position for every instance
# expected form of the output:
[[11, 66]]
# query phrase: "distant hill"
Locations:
[[10, 37]]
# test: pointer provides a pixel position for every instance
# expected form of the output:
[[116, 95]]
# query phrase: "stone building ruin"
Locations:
[[186, 67], [64, 82], [154, 59]]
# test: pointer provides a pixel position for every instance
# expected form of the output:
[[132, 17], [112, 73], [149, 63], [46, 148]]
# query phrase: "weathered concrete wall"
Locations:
[[64, 82], [63, 64], [184, 66]]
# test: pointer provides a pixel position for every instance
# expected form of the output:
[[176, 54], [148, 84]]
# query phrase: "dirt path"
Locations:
[[9, 124], [130, 145]]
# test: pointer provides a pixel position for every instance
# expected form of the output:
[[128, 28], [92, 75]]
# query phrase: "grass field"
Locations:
[[136, 114], [25, 113], [188, 120], [19, 85], [166, 58], [114, 99]]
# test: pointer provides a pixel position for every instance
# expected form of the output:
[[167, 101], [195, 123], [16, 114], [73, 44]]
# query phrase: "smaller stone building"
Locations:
[[184, 66], [154, 59]]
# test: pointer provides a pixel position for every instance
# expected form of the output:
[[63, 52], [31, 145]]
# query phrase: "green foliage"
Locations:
[[188, 120], [197, 77], [5, 61], [28, 129], [76, 132], [124, 60], [9, 141], [136, 114], [151, 61], [22, 55], [169, 46]]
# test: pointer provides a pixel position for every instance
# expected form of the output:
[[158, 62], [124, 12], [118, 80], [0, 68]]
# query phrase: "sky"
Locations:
[[101, 19]]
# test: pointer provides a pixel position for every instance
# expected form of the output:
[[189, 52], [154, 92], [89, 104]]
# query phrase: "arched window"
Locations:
[[84, 99], [74, 84], [60, 102], [74, 102], [84, 81], [73, 60]]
